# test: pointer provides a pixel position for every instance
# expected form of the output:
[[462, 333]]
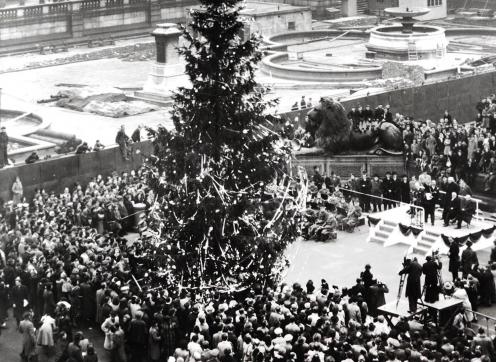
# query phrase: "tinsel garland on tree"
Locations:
[[226, 208]]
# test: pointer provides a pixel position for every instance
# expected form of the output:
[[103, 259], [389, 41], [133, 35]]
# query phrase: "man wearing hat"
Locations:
[[404, 190], [365, 187], [376, 190], [20, 297], [387, 190], [451, 209], [368, 114], [396, 184], [4, 141], [414, 271], [428, 202], [430, 269], [388, 115], [379, 113], [469, 259]]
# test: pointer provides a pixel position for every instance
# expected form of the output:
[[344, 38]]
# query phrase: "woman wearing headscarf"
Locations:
[[26, 327], [461, 294], [17, 191], [45, 339]]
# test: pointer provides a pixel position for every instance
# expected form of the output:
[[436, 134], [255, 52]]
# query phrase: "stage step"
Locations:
[[381, 235], [420, 250], [390, 223], [424, 244], [428, 239], [431, 233], [386, 228], [375, 239]]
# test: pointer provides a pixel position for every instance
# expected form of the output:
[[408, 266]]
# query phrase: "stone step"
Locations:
[[431, 233], [390, 223], [428, 239], [424, 244], [381, 235], [375, 239], [420, 250], [386, 228]]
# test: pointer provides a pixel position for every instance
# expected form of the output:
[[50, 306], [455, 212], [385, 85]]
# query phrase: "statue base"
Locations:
[[162, 80], [344, 165]]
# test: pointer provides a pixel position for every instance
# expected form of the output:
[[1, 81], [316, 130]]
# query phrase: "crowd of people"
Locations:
[[67, 265], [329, 209], [74, 145], [376, 194], [460, 150]]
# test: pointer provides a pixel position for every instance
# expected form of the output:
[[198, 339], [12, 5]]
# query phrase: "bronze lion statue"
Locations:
[[329, 128]]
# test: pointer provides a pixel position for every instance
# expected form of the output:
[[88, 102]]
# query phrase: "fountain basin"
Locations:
[[390, 42]]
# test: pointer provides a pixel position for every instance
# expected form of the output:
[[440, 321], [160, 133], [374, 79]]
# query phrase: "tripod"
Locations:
[[400, 289]]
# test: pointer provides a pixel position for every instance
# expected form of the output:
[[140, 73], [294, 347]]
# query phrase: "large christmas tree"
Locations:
[[224, 211]]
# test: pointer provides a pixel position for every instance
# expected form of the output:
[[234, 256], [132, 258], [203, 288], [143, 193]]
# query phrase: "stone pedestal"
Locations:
[[344, 165], [349, 7], [167, 66]]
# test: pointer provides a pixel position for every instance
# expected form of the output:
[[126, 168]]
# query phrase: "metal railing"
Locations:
[[416, 212], [484, 316]]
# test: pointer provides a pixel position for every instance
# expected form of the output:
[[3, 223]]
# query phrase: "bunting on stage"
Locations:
[[474, 237], [405, 229], [445, 239], [373, 220], [488, 232], [416, 231]]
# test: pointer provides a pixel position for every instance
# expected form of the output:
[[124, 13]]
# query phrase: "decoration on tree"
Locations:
[[226, 206]]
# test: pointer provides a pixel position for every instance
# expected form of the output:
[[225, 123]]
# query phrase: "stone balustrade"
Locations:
[[64, 7], [83, 21]]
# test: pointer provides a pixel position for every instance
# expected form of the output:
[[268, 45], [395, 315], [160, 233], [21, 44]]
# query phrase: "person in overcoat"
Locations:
[[154, 340], [469, 259], [454, 259], [26, 327], [413, 292], [430, 270], [17, 191]]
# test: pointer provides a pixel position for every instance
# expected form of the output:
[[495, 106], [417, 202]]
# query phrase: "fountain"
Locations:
[[407, 41]]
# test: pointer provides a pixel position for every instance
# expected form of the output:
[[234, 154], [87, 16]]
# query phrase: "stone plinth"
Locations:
[[167, 65], [349, 7], [344, 165]]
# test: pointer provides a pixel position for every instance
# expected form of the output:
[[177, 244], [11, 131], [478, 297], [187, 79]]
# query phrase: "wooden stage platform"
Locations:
[[387, 232], [439, 312]]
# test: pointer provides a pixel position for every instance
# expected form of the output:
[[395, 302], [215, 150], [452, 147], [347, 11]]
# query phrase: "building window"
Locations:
[[291, 25], [431, 3]]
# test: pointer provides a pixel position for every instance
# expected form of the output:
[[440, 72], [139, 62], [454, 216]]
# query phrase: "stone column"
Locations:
[[167, 64]]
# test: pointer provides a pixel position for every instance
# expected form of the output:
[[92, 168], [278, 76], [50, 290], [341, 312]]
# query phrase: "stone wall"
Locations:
[[33, 28], [56, 173], [318, 6], [470, 4], [118, 19], [458, 96], [272, 23], [79, 21]]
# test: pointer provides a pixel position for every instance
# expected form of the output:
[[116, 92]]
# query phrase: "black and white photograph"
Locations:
[[247, 181]]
